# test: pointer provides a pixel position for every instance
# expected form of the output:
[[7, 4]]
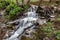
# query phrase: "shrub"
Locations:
[[13, 13], [57, 34], [3, 4], [48, 31], [9, 8], [12, 10]]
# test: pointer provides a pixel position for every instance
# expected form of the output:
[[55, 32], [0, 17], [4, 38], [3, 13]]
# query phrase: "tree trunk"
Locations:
[[50, 1], [22, 3], [40, 1], [17, 2], [28, 2]]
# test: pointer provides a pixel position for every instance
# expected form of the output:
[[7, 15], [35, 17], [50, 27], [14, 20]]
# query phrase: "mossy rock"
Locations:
[[25, 38]]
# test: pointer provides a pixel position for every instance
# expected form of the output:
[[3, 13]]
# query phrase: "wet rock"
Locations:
[[46, 38], [2, 25], [41, 21], [40, 11], [8, 33], [52, 18]]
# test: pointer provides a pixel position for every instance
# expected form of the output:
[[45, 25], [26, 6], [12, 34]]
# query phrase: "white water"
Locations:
[[25, 23]]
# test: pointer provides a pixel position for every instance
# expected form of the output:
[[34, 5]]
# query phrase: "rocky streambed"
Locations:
[[25, 25]]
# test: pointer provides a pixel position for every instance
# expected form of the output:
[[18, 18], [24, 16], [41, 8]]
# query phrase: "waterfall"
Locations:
[[25, 23]]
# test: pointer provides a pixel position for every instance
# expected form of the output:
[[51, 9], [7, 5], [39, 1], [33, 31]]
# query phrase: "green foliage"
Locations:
[[25, 38], [9, 8], [57, 34], [47, 30], [58, 19], [3, 4], [10, 26], [12, 11], [26, 7], [10, 1]]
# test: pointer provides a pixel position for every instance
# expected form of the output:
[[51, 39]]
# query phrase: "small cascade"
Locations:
[[25, 23]]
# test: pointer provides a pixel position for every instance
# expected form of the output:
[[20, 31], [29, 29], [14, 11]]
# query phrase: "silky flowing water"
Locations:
[[26, 22]]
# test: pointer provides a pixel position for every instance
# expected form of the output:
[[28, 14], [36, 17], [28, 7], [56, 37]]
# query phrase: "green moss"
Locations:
[[25, 38], [10, 26]]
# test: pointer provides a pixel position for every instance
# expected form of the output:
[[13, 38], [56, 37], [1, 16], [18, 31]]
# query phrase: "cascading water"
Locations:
[[25, 23]]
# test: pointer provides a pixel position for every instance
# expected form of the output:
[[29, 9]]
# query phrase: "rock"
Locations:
[[46, 38], [52, 17], [40, 11], [8, 33], [41, 21], [2, 33], [2, 25]]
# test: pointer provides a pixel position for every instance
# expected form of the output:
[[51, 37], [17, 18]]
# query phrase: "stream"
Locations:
[[25, 23]]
